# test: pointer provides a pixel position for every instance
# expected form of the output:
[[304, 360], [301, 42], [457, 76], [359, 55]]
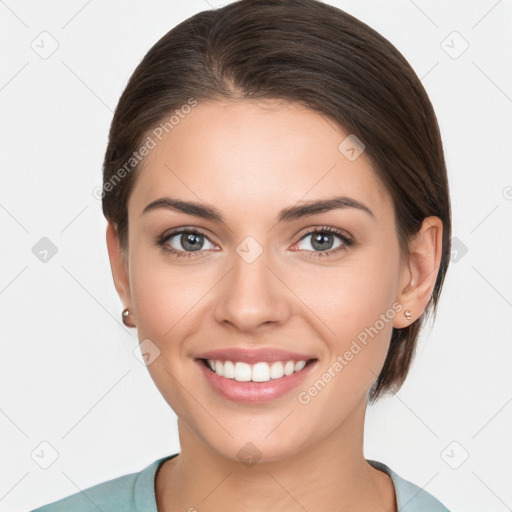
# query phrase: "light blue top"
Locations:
[[136, 493]]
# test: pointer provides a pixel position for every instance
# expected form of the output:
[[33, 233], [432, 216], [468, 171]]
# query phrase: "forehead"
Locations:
[[259, 155]]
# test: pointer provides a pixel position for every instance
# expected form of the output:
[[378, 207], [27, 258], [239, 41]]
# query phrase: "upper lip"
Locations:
[[254, 355]]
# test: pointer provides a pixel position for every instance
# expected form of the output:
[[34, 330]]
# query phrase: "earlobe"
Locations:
[[425, 251], [118, 265]]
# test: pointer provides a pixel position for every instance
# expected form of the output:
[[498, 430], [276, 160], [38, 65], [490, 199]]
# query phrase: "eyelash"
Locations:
[[347, 241]]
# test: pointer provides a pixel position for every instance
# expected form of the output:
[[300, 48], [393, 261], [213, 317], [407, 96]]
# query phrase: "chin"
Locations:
[[257, 449]]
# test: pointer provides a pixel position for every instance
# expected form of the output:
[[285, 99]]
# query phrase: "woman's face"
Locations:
[[261, 279]]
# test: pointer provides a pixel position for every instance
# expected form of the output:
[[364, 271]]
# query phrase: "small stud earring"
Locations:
[[126, 315], [408, 314]]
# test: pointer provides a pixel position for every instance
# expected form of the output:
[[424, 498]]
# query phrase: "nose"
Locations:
[[252, 296]]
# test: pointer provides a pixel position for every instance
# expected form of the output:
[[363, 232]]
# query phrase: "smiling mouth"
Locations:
[[258, 372]]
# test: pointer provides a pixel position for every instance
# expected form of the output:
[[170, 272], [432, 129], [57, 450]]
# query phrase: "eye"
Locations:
[[323, 241], [185, 242]]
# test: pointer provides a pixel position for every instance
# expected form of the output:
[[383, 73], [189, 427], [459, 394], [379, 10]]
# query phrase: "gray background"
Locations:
[[69, 376]]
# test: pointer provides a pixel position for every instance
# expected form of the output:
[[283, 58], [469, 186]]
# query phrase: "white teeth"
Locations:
[[259, 372], [299, 365], [289, 368], [242, 371], [229, 370], [276, 370]]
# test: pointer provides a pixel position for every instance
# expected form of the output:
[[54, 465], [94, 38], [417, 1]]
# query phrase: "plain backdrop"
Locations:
[[77, 407]]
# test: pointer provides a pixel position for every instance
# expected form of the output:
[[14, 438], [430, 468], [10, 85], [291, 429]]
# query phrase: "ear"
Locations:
[[118, 265], [419, 275]]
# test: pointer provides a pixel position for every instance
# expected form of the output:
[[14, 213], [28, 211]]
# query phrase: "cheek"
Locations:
[[351, 296], [163, 301], [163, 294], [355, 304]]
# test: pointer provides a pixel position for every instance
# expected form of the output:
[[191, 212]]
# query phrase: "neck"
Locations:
[[331, 474]]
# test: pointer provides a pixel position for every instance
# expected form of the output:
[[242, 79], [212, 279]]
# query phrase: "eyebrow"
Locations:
[[306, 209]]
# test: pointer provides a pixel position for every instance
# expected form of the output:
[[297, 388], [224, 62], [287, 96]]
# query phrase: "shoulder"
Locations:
[[130, 493], [409, 496]]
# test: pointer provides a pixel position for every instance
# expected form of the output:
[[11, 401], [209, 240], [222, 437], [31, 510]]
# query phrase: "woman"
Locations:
[[278, 230]]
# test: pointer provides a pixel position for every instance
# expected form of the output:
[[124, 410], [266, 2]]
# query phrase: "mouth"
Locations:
[[256, 382], [261, 371]]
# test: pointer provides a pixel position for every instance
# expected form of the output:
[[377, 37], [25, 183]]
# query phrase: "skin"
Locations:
[[249, 160]]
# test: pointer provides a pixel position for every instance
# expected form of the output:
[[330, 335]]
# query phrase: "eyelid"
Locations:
[[327, 229], [185, 229]]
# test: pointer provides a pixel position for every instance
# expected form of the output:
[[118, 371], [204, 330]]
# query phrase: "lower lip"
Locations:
[[253, 392]]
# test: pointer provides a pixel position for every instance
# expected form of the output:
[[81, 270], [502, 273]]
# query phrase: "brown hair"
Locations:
[[309, 53]]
